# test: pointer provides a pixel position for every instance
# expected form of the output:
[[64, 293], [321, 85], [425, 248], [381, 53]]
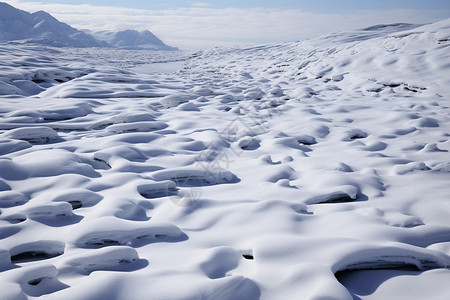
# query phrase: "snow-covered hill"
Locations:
[[19, 26], [41, 28], [316, 169], [132, 39]]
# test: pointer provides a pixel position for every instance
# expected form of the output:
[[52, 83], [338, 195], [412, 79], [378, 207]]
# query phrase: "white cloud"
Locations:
[[201, 4], [203, 26]]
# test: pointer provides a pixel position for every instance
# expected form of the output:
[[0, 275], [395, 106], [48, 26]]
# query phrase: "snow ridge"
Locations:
[[18, 26]]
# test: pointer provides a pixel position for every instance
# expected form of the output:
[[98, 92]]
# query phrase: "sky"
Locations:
[[199, 24]]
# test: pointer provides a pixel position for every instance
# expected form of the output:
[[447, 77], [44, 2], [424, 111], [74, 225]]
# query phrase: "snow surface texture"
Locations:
[[304, 170]]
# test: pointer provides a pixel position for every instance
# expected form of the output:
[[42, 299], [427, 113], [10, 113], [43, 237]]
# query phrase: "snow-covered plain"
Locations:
[[305, 170]]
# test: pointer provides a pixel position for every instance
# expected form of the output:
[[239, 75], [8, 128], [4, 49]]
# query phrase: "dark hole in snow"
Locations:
[[414, 89], [392, 84], [104, 242], [76, 204], [38, 80], [248, 256], [357, 136], [33, 255], [383, 266], [52, 119], [375, 90], [35, 281], [158, 193], [59, 80], [15, 220], [338, 198], [307, 142], [126, 261], [102, 161], [410, 89]]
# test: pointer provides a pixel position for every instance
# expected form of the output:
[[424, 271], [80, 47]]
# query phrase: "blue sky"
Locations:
[[192, 24]]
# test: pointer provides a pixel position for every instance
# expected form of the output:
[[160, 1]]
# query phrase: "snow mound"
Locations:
[[37, 134], [108, 231]]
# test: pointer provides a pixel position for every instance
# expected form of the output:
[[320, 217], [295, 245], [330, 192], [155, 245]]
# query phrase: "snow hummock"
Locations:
[[304, 170]]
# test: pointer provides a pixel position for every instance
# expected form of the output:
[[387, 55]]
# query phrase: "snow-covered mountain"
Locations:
[[42, 28], [132, 39]]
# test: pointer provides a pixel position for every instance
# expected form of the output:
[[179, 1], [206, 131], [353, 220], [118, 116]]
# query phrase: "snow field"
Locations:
[[303, 170]]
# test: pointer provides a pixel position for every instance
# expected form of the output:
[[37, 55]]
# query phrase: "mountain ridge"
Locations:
[[19, 26], [131, 39]]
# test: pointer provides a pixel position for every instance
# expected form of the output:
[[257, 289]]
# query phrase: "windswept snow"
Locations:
[[303, 170]]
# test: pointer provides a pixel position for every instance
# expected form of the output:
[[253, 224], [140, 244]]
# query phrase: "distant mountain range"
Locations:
[[42, 28], [131, 39]]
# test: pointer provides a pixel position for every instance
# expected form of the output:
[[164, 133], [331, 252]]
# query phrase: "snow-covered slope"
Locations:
[[132, 39], [14, 23], [41, 28], [304, 170]]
